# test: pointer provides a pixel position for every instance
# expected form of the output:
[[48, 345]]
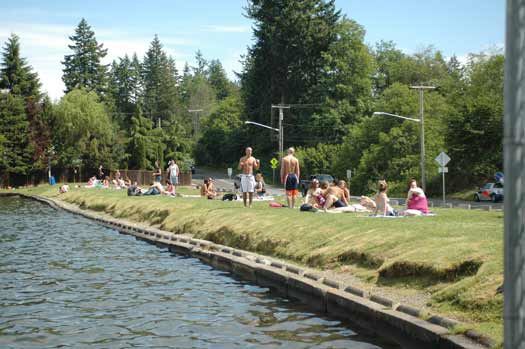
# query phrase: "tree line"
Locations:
[[304, 54]]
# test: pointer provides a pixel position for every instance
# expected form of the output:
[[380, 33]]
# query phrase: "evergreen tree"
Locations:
[[15, 74], [201, 67], [140, 148], [83, 68], [16, 153], [286, 61], [160, 83], [218, 80]]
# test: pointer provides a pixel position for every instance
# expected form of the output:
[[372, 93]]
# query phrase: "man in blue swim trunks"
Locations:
[[290, 174]]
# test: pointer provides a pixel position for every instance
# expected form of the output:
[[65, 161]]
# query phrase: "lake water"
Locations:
[[68, 282]]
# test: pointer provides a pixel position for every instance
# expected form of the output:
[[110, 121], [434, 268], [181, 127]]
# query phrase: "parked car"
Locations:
[[305, 184], [490, 191]]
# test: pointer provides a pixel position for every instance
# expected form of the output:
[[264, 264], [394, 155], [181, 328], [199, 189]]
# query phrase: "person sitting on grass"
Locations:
[[314, 195], [333, 195], [170, 189], [207, 189], [260, 186], [105, 183], [383, 207], [417, 203], [346, 193], [412, 186], [63, 189]]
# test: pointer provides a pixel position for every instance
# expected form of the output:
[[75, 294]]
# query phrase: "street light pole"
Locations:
[[422, 130], [281, 131]]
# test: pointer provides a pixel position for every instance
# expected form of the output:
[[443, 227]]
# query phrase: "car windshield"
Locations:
[[487, 186], [498, 185], [325, 178]]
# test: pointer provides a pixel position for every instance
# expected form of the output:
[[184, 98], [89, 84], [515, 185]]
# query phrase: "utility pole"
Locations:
[[281, 107], [422, 130], [196, 125], [514, 165]]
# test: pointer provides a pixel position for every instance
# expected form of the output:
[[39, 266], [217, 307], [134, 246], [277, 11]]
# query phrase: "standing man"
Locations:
[[173, 172], [246, 164], [290, 173], [157, 175]]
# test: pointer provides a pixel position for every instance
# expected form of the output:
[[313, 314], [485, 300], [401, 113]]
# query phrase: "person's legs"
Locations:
[[244, 197], [250, 195]]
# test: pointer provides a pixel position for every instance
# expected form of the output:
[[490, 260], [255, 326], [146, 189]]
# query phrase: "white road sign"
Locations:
[[443, 170], [442, 159]]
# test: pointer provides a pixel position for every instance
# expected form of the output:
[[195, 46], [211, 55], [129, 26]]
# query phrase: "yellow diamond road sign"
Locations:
[[274, 162]]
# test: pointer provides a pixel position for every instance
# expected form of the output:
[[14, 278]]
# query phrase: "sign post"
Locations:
[[442, 159], [230, 172], [349, 174], [274, 163]]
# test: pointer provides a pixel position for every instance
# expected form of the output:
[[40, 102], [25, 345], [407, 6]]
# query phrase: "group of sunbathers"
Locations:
[[416, 202]]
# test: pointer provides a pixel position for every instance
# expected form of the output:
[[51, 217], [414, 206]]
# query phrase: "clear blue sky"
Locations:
[[220, 30]]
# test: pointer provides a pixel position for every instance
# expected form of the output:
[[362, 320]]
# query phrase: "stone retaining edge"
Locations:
[[322, 294]]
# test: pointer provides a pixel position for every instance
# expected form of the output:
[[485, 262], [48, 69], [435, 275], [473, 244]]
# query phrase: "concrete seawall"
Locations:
[[402, 323]]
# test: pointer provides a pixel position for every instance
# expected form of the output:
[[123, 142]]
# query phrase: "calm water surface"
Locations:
[[68, 282]]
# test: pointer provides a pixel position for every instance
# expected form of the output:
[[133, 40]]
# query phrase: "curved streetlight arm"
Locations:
[[397, 116], [261, 125]]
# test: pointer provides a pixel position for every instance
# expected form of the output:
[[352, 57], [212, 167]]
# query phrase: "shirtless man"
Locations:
[[334, 196], [247, 164], [290, 173]]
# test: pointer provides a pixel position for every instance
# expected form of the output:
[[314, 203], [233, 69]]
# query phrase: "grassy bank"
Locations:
[[456, 256]]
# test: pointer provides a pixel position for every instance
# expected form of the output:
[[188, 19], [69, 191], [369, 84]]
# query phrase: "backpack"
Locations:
[[229, 197]]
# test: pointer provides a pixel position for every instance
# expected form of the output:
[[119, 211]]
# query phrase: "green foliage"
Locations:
[[160, 83], [15, 74], [319, 159], [218, 80], [384, 147], [83, 130], [221, 140], [474, 136], [286, 62], [83, 68], [16, 151]]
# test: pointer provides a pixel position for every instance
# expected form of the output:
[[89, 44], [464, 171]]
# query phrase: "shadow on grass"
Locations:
[[420, 275]]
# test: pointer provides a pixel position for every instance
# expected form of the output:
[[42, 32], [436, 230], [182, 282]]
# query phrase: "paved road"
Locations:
[[223, 182]]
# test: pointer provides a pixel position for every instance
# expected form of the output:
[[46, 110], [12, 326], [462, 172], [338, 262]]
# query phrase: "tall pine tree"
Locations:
[[15, 74], [83, 68], [160, 83]]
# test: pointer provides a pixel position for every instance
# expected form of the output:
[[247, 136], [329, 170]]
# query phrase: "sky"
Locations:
[[221, 31]]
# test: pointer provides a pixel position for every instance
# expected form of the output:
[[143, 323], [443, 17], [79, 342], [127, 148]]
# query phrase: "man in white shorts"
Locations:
[[247, 164]]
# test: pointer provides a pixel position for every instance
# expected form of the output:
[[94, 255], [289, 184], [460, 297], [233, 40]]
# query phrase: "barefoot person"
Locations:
[[290, 173], [247, 164]]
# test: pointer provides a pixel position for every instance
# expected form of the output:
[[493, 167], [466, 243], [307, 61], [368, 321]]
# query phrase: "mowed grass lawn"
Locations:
[[457, 255]]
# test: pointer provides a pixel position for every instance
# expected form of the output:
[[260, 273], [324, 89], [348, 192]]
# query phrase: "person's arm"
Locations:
[[177, 170], [298, 170], [282, 171], [241, 163], [256, 164]]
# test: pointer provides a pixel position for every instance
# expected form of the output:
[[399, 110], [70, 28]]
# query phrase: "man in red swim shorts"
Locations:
[[290, 174]]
